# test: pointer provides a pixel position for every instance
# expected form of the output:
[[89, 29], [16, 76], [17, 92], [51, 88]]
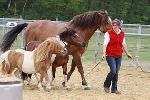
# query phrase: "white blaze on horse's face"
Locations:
[[76, 35]]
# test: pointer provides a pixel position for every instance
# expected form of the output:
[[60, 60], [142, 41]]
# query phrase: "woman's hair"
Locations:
[[116, 22]]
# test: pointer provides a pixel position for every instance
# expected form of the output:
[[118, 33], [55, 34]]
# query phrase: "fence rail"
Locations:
[[137, 38]]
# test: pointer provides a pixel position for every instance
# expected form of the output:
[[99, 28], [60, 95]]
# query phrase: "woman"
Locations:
[[114, 45]]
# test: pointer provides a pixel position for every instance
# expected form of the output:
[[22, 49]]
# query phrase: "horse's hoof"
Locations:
[[68, 89], [63, 84], [87, 88]]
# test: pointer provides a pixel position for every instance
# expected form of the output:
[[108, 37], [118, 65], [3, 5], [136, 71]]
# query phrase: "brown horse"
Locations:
[[36, 61], [85, 25]]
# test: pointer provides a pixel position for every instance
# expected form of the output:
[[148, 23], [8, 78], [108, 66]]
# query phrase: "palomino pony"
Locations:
[[31, 46], [85, 25], [36, 61]]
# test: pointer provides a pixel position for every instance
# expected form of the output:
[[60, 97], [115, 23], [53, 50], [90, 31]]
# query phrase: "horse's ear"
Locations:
[[106, 12], [103, 12]]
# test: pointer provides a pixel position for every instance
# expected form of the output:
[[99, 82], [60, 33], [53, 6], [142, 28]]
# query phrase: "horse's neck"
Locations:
[[87, 34]]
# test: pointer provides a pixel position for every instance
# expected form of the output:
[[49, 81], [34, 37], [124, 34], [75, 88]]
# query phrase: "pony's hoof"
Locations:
[[41, 89], [48, 87], [87, 88], [63, 84], [68, 89]]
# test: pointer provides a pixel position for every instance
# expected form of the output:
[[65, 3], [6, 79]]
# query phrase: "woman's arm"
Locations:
[[126, 51], [106, 41]]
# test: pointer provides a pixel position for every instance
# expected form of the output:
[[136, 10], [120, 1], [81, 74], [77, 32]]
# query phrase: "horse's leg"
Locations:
[[48, 85], [78, 63], [39, 82], [65, 83], [29, 78], [73, 65], [53, 74], [17, 73]]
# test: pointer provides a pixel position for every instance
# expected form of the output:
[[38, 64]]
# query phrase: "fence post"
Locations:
[[138, 42], [3, 27], [22, 34], [96, 51]]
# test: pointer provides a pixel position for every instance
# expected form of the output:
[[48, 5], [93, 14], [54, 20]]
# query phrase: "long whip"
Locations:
[[138, 65], [94, 67]]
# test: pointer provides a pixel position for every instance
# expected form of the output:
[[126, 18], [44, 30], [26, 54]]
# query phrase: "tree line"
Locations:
[[130, 11]]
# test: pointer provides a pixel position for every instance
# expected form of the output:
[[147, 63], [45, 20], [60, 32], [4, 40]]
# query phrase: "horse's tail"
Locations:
[[10, 36]]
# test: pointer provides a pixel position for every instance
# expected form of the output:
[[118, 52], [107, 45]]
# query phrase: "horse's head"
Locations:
[[71, 37], [55, 46], [105, 22]]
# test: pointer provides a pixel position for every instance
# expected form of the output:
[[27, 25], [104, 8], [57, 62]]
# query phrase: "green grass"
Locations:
[[131, 41]]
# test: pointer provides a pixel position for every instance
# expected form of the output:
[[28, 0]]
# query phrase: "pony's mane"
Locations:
[[68, 32], [88, 19], [45, 49]]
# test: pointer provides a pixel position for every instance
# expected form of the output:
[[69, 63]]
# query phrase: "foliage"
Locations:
[[131, 11]]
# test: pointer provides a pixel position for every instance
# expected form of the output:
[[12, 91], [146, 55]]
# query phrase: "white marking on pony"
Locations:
[[4, 57], [61, 42], [53, 58], [20, 50], [49, 73], [39, 82], [51, 82], [28, 63], [66, 82]]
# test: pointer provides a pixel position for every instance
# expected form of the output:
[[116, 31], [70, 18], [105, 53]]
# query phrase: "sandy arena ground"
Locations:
[[133, 84]]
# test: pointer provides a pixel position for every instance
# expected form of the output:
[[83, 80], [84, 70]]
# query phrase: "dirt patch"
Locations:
[[133, 84]]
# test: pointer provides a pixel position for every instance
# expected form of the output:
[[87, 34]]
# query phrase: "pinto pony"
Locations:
[[85, 25], [33, 62]]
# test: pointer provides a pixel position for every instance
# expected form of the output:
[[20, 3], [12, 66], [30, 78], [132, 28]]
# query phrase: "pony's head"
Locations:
[[71, 37], [50, 46], [55, 46]]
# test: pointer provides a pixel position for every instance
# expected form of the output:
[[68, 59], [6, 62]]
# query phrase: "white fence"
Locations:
[[137, 38]]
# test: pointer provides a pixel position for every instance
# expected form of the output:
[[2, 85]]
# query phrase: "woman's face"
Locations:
[[116, 27]]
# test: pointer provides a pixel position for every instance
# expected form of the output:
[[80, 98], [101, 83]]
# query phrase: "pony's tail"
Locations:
[[10, 36]]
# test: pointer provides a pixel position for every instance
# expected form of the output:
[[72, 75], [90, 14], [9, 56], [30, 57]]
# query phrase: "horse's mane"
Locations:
[[45, 49], [88, 19]]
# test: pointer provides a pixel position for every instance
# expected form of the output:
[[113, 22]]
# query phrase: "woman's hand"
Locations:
[[129, 55], [103, 56]]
